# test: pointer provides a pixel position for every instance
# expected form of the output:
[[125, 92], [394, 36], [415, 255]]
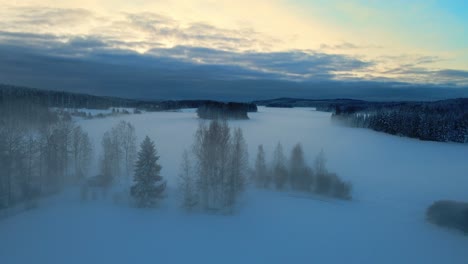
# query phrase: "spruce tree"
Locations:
[[149, 185]]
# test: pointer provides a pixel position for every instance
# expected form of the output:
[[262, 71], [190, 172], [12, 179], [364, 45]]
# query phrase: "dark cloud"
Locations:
[[453, 74], [298, 65], [30, 40], [128, 74]]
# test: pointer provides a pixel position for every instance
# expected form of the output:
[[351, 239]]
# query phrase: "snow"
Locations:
[[394, 180]]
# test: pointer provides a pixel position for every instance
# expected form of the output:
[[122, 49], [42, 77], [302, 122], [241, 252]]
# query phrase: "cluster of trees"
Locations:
[[445, 121], [294, 173], [40, 152], [43, 150], [121, 166], [118, 153], [450, 214], [219, 110], [87, 115], [214, 172], [116, 162]]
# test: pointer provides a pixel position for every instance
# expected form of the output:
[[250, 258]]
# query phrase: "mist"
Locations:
[[394, 179]]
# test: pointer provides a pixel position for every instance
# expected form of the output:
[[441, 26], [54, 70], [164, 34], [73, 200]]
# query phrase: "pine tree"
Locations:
[[149, 185]]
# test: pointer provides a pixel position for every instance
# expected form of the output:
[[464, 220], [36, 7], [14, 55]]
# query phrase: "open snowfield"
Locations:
[[394, 180]]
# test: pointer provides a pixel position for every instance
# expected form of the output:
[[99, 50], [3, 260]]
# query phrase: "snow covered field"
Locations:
[[394, 180]]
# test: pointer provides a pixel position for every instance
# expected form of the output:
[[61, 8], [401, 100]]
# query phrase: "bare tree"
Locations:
[[81, 150], [110, 166], [238, 168], [187, 185], [124, 134], [216, 152], [12, 150], [279, 168], [320, 163], [261, 171]]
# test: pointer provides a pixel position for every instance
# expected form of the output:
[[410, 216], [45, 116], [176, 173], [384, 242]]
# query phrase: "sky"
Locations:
[[417, 41]]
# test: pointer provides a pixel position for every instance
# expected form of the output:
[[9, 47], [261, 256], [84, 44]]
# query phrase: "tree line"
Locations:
[[63, 99], [295, 174]]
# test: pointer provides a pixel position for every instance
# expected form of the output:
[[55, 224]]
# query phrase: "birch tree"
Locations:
[[279, 167], [261, 172]]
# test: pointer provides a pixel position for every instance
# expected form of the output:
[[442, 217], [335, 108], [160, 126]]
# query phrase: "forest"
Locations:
[[443, 121], [62, 99]]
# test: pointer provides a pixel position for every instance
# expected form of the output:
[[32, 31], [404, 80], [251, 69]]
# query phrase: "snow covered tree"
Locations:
[[261, 172], [187, 184], [148, 185], [279, 168]]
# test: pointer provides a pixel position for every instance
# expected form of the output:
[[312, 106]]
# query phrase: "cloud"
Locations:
[[298, 65], [417, 74], [170, 32], [248, 53], [47, 16], [347, 46], [453, 74], [135, 30], [45, 20], [125, 73]]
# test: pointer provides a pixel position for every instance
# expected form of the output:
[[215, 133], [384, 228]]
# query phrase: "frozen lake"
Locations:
[[394, 180]]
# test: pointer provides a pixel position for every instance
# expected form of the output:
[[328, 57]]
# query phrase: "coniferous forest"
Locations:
[[444, 121]]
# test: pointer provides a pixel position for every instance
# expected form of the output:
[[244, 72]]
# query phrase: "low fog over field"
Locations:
[[394, 179]]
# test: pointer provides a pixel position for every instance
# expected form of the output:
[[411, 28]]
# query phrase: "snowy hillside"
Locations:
[[394, 180]]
